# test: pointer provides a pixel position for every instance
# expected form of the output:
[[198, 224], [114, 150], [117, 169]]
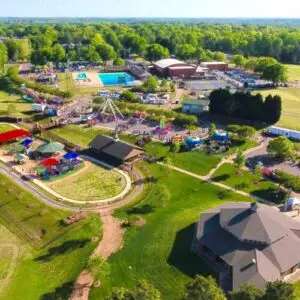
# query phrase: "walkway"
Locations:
[[224, 186]]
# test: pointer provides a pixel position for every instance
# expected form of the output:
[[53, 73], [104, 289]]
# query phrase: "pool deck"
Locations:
[[91, 81]]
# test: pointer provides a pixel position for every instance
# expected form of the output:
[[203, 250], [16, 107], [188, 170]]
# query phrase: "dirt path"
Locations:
[[110, 243]]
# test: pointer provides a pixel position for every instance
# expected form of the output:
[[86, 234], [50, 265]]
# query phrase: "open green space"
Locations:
[[245, 181], [48, 272], [66, 84], [88, 184], [293, 72], [5, 127], [82, 136], [290, 105], [6, 257], [159, 252], [20, 106]]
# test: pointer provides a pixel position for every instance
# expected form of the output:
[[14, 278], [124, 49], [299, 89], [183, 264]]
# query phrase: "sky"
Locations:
[[151, 8]]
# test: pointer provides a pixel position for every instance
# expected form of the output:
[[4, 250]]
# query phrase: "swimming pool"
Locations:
[[109, 79], [81, 76]]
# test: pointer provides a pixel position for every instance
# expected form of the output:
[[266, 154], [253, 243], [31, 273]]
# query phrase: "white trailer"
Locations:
[[289, 133]]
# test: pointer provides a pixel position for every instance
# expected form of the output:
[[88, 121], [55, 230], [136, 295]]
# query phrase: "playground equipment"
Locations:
[[27, 98], [193, 142], [31, 94], [109, 104], [220, 135]]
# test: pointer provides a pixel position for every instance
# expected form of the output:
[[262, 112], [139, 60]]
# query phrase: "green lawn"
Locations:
[[293, 72], [290, 106], [245, 181], [66, 84], [94, 183], [21, 106], [160, 250], [5, 127], [49, 272], [82, 136]]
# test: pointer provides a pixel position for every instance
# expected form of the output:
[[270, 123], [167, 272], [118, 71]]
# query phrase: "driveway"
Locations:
[[262, 155]]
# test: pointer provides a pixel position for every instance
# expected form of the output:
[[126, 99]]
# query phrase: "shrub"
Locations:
[[288, 181], [128, 96]]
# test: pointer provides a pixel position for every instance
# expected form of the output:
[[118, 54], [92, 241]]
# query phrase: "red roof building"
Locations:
[[13, 135]]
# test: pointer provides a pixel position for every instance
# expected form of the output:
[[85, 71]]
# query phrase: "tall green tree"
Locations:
[[272, 108], [202, 288], [58, 54], [281, 147], [156, 52], [247, 292], [3, 58], [279, 290]]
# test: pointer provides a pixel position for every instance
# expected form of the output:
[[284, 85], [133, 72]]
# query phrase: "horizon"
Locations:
[[194, 9]]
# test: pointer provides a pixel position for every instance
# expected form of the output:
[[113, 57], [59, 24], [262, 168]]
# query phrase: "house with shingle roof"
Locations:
[[248, 243]]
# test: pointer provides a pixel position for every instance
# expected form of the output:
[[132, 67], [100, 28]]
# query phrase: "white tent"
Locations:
[[292, 202]]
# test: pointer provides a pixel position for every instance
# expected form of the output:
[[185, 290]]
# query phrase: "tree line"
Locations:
[[244, 105], [206, 288], [106, 41]]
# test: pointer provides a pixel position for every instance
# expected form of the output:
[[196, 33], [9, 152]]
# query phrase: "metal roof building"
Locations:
[[248, 243]]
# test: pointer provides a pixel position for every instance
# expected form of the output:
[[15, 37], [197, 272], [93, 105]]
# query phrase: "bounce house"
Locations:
[[220, 135], [193, 142]]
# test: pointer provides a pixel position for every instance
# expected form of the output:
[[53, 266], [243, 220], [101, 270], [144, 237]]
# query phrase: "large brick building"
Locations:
[[170, 67]]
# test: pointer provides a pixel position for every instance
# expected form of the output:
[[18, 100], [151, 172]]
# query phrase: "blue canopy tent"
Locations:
[[71, 155], [26, 142]]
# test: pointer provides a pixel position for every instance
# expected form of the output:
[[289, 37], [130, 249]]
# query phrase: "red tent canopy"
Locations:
[[49, 162], [12, 135]]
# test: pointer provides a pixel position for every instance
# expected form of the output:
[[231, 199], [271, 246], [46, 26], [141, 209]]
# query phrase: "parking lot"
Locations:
[[261, 155]]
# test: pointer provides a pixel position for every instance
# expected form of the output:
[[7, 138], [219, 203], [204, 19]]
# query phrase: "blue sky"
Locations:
[[150, 8]]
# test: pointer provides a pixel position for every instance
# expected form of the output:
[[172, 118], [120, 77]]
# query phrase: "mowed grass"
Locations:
[[6, 256], [66, 84], [21, 106], [159, 252], [5, 127], [47, 273], [50, 273], [93, 183], [293, 72], [25, 215], [82, 136], [245, 181], [290, 105]]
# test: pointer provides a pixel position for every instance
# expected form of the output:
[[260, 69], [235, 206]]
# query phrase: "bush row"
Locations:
[[288, 181]]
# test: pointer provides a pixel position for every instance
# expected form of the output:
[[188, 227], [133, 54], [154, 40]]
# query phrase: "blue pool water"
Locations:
[[81, 76], [116, 78]]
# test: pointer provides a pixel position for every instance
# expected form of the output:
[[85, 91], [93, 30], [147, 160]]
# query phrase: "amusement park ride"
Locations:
[[110, 105]]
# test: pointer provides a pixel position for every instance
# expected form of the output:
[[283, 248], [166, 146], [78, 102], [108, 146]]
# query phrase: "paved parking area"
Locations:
[[262, 156]]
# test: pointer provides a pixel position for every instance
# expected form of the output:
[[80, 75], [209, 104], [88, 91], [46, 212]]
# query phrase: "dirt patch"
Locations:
[[111, 242], [138, 222]]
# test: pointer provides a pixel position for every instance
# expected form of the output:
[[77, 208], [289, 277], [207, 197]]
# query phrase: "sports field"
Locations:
[[290, 105], [293, 72], [90, 183]]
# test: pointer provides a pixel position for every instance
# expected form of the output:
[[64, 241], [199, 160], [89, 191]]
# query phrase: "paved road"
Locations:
[[103, 210], [262, 155]]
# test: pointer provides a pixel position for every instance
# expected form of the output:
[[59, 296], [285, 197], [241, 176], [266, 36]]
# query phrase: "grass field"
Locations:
[[46, 273], [245, 181], [20, 105], [293, 72], [66, 84], [290, 105], [5, 127], [92, 183], [160, 250]]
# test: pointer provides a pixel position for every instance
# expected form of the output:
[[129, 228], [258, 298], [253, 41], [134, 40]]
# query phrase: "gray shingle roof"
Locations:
[[259, 243]]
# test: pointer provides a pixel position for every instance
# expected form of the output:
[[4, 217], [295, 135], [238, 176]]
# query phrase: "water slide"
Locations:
[[34, 96]]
